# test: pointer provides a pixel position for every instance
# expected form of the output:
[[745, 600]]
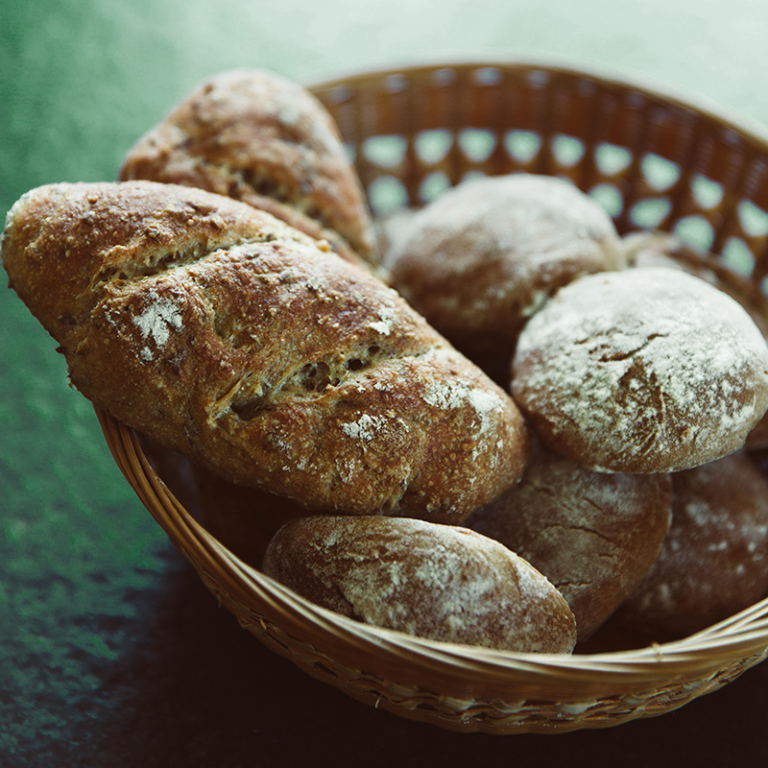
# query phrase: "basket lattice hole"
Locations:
[[473, 174], [538, 78], [660, 173], [433, 185], [340, 94], [444, 77], [395, 83], [754, 220], [737, 255], [477, 144], [522, 146], [650, 213], [351, 152], [696, 231], [611, 159], [386, 195], [487, 76], [432, 146], [567, 150], [609, 197], [708, 194], [385, 151]]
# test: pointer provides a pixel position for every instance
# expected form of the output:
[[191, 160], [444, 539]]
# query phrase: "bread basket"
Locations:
[[655, 161]]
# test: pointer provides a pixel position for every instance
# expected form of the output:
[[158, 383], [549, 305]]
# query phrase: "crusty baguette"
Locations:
[[262, 139], [237, 341], [435, 581]]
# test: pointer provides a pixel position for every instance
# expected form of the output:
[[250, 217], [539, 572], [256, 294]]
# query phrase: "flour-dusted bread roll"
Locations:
[[263, 139], [662, 249], [645, 370], [485, 256], [434, 581], [714, 561], [593, 535], [235, 340]]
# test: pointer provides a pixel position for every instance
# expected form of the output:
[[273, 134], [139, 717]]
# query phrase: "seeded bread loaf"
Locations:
[[434, 581], [263, 139], [237, 341]]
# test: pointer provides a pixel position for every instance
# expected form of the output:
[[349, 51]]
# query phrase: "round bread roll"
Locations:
[[661, 249], [714, 561], [260, 138], [647, 370], [432, 581], [486, 255], [593, 535]]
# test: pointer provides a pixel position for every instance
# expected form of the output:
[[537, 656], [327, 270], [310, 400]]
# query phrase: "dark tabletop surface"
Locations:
[[112, 653]]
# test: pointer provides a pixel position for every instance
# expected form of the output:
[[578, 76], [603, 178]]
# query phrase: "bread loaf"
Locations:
[[485, 256], [661, 249], [593, 535], [433, 581], [645, 370], [714, 561], [263, 139], [237, 341]]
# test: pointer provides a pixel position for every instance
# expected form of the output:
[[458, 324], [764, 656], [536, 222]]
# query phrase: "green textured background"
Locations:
[[110, 651]]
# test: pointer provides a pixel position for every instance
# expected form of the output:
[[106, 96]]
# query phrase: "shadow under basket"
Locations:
[[655, 161]]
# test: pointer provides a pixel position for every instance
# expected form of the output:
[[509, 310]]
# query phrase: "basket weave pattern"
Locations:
[[655, 161]]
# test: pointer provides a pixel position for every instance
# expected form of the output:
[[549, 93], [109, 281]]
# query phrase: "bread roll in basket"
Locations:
[[656, 162]]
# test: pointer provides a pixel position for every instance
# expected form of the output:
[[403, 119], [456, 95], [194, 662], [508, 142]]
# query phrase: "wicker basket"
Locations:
[[655, 161]]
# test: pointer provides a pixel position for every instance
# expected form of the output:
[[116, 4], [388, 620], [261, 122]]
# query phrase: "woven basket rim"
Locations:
[[730, 118]]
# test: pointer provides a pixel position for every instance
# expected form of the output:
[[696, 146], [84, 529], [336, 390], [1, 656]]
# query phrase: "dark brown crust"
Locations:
[[262, 139], [593, 535], [434, 581], [232, 338], [484, 257], [714, 561]]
